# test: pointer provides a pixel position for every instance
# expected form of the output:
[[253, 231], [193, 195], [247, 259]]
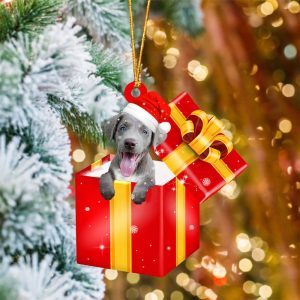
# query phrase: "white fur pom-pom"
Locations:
[[164, 127]]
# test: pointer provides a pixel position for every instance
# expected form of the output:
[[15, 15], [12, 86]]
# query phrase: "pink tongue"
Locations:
[[128, 164]]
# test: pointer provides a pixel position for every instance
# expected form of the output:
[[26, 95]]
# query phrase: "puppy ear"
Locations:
[[159, 137], [110, 126]]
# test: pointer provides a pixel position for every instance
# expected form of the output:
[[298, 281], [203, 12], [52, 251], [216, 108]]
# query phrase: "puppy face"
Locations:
[[133, 140]]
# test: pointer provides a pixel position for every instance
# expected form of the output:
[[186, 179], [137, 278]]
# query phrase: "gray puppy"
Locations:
[[132, 161]]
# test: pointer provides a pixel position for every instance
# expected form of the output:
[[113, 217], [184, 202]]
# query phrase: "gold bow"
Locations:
[[203, 134], [202, 139]]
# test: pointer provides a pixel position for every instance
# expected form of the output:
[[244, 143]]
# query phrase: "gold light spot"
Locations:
[[200, 73], [266, 8], [176, 295], [211, 294], [170, 61], [243, 242], [200, 292], [111, 274], [258, 254], [173, 51], [78, 155], [285, 125], [245, 265], [265, 291], [151, 296], [207, 262], [133, 278], [197, 71], [249, 287], [278, 22], [151, 28], [182, 279], [294, 7], [255, 20], [219, 271], [160, 37], [191, 263], [192, 65], [254, 70], [288, 90], [159, 294], [278, 135]]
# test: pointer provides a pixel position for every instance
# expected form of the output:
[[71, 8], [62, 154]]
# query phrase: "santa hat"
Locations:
[[149, 108]]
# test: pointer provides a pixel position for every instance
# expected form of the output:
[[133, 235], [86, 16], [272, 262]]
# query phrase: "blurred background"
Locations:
[[243, 66], [239, 60]]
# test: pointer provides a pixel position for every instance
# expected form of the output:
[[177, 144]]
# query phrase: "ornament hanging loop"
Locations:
[[137, 64]]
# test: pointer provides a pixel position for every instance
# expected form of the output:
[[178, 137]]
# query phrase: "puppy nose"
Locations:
[[130, 144]]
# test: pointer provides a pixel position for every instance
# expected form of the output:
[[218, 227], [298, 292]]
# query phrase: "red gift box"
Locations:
[[196, 151], [151, 238]]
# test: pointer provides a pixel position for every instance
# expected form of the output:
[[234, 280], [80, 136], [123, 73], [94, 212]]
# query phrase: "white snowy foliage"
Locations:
[[90, 288], [16, 176], [53, 63], [106, 104], [48, 138], [28, 217], [40, 280], [110, 21], [13, 98]]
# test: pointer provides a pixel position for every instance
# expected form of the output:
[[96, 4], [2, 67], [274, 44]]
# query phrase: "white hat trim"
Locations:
[[142, 115]]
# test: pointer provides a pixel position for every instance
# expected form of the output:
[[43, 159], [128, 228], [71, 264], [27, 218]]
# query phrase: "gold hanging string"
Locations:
[[137, 64]]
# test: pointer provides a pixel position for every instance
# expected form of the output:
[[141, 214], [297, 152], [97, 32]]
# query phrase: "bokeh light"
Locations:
[[290, 51], [111, 274], [293, 7], [245, 265], [265, 291], [288, 90], [285, 125], [78, 155]]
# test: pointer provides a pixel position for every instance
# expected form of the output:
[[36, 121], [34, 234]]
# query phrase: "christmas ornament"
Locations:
[[197, 160]]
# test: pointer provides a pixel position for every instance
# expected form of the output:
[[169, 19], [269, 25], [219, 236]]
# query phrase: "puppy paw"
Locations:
[[107, 194], [138, 197], [107, 191]]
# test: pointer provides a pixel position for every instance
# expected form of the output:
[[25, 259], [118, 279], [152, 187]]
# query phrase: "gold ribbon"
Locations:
[[96, 164], [202, 139], [180, 222], [120, 226]]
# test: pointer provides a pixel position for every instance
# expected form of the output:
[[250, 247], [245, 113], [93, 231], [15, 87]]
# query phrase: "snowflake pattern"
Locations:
[[206, 181], [134, 229]]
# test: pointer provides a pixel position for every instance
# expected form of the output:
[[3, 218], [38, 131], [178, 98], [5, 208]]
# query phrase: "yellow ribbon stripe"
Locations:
[[185, 154], [180, 158], [120, 227], [180, 222], [96, 164]]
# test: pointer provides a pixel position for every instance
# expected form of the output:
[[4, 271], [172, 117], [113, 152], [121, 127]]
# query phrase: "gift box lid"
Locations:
[[203, 177]]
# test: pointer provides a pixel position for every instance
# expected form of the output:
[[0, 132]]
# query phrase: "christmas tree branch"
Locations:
[[29, 16], [76, 119]]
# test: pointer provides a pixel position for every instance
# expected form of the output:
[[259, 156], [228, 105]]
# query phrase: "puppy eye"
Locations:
[[145, 131], [122, 128]]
